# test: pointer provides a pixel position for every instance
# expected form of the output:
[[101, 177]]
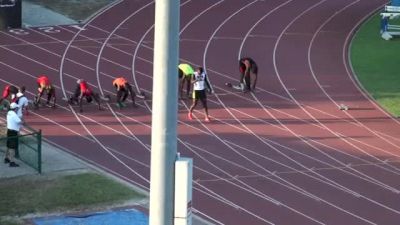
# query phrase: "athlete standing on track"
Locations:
[[82, 90], [185, 76], [123, 90], [248, 74], [44, 85], [22, 102], [199, 81]]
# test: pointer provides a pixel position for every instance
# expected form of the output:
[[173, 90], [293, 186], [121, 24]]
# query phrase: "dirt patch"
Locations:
[[78, 10]]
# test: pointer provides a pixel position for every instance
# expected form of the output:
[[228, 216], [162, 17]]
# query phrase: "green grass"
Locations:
[[74, 9], [376, 64], [9, 221], [21, 196]]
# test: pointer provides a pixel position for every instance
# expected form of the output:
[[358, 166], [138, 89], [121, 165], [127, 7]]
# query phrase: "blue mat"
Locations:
[[125, 217]]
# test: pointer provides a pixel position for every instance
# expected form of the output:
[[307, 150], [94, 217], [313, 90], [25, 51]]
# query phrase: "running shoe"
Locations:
[[13, 164], [207, 119], [190, 116]]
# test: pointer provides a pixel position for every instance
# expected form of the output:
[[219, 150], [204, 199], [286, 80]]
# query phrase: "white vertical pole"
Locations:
[[183, 191], [165, 109]]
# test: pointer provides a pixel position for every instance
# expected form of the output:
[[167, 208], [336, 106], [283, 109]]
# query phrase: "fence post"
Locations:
[[17, 147], [39, 140]]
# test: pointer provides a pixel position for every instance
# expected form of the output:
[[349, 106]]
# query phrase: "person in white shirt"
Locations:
[[22, 102], [13, 127], [199, 81]]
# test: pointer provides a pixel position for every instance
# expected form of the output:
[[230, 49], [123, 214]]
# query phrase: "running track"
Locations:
[[284, 155]]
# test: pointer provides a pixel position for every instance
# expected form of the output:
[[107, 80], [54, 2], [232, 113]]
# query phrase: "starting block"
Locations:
[[105, 98], [141, 95], [343, 107], [239, 87]]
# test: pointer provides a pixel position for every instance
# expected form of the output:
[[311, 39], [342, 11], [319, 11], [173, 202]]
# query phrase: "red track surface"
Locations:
[[285, 155]]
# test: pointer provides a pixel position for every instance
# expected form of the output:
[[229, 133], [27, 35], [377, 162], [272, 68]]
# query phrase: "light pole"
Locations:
[[164, 112]]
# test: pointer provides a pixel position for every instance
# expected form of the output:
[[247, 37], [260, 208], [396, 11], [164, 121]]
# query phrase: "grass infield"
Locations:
[[69, 193], [376, 64]]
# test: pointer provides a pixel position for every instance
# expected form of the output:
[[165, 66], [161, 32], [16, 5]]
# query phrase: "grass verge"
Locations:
[[375, 62], [69, 193], [73, 9]]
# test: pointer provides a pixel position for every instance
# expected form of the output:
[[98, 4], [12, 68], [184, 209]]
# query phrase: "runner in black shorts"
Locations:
[[199, 81], [248, 74]]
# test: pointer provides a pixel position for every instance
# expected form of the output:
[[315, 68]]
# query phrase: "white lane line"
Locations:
[[50, 42], [350, 70], [151, 62], [283, 85], [133, 64], [75, 114], [343, 138], [47, 119], [278, 75], [108, 127], [227, 201], [204, 65], [133, 57], [135, 54], [98, 74], [319, 84], [311, 116], [98, 166]]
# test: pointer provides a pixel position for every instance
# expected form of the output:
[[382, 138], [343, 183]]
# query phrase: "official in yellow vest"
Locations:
[[185, 75]]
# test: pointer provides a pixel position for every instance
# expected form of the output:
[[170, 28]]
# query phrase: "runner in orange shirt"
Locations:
[[82, 90], [123, 90], [44, 85]]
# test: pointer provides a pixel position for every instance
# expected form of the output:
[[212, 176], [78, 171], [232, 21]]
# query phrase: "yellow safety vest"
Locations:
[[186, 69]]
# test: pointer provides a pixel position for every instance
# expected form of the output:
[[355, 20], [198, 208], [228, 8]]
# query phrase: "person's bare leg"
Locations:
[[190, 114]]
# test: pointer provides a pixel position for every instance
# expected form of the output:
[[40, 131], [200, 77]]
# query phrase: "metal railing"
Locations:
[[29, 148]]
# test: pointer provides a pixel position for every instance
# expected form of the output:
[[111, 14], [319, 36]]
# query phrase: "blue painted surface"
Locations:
[[395, 3], [124, 217]]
